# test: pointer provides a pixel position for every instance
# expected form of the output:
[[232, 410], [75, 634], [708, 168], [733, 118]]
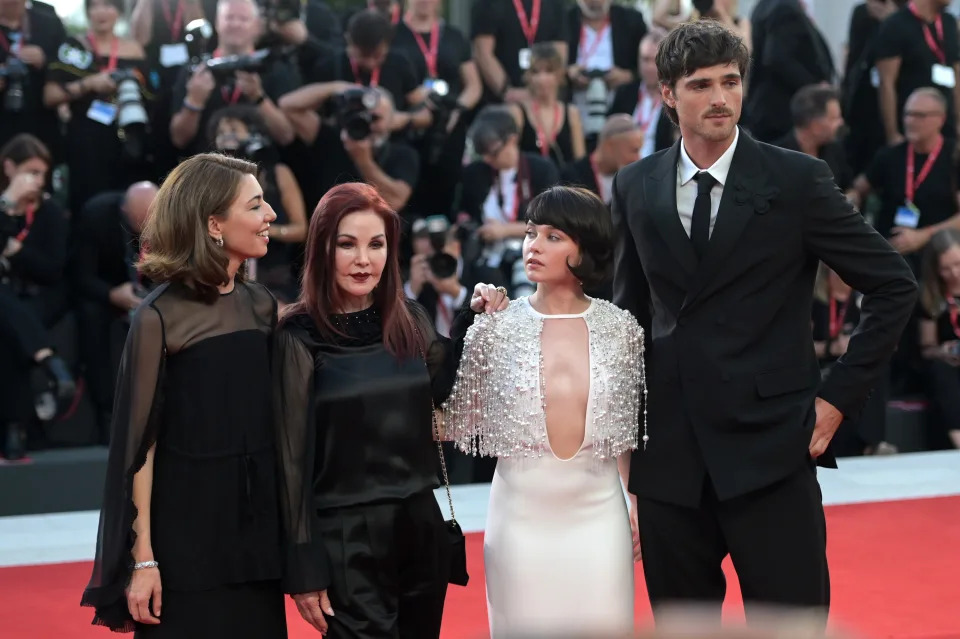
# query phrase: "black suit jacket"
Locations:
[[731, 369], [788, 54], [625, 101], [627, 30], [833, 154], [103, 249]]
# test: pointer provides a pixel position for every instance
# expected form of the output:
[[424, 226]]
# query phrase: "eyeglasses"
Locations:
[[921, 114]]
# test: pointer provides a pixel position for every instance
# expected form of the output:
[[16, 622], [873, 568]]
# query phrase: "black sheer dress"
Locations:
[[195, 380], [359, 465]]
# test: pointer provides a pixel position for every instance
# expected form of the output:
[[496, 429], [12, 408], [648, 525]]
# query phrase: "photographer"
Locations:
[[105, 249], [441, 54], [436, 271], [107, 133], [354, 144], [369, 61], [619, 144], [29, 37], [604, 40], [497, 189], [240, 131], [202, 90], [33, 246]]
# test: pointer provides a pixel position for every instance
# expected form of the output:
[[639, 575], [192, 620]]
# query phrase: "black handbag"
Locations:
[[458, 546]]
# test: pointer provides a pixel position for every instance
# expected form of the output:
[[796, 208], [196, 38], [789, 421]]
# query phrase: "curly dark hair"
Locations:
[[696, 45]]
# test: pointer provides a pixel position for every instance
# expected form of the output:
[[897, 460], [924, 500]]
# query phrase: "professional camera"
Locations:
[[352, 111], [131, 114], [280, 11], [255, 62], [443, 106], [442, 264], [197, 37], [596, 97], [15, 72], [257, 149]]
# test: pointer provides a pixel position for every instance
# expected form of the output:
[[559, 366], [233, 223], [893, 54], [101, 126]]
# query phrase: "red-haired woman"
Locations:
[[358, 369]]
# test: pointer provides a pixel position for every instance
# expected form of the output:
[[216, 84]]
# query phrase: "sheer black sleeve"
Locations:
[[134, 430], [443, 354], [306, 564]]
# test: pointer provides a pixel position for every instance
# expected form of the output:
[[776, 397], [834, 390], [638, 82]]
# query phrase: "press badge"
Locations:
[[435, 85], [524, 59], [174, 55], [874, 78], [944, 76], [102, 112], [908, 216]]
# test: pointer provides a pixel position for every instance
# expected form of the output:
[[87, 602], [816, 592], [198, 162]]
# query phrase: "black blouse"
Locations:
[[354, 425], [194, 380]]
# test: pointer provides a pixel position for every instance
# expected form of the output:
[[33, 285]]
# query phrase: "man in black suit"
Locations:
[[789, 52], [817, 121], [106, 248], [641, 100], [718, 243]]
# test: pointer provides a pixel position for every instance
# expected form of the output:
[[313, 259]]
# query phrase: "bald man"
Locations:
[[106, 245], [619, 144]]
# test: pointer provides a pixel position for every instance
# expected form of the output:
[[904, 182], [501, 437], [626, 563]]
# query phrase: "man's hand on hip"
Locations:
[[828, 421]]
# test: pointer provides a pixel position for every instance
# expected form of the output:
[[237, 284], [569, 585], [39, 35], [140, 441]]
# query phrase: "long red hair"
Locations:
[[320, 297]]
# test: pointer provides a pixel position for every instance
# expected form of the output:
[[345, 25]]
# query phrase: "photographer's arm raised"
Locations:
[[185, 123], [395, 192], [278, 124], [301, 107]]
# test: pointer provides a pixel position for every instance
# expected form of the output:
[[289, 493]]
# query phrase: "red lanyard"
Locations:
[[444, 311], [395, 14], [531, 24], [516, 198], [643, 120], [935, 46], [176, 20], [837, 318], [22, 235], [114, 52], [543, 141], [374, 75], [596, 174], [911, 185], [585, 53], [954, 316], [429, 53]]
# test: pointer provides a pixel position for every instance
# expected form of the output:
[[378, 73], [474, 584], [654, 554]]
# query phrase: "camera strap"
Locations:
[[545, 142], [28, 216], [374, 75], [114, 52], [585, 53]]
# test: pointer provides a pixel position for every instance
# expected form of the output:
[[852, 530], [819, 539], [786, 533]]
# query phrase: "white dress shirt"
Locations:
[[687, 186]]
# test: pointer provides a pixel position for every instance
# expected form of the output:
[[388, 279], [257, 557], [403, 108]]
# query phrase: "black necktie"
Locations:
[[700, 226]]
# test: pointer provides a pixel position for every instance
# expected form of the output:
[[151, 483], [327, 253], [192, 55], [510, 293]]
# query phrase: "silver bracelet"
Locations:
[[145, 564]]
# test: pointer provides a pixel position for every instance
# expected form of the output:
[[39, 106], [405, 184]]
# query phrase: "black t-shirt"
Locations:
[[397, 159], [498, 18], [281, 78], [397, 75], [453, 51], [902, 36], [945, 329], [43, 29], [934, 196]]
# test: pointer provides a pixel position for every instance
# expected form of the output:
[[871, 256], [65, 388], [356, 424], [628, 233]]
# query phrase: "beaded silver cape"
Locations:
[[497, 406]]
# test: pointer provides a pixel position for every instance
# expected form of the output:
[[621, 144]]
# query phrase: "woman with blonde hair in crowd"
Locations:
[[940, 327], [189, 544], [548, 125]]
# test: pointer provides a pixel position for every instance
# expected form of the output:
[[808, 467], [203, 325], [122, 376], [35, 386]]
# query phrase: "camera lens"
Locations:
[[442, 265]]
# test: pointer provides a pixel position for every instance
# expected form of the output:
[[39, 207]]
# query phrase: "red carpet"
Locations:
[[895, 571]]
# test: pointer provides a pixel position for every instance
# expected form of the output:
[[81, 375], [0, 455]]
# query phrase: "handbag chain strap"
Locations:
[[436, 435]]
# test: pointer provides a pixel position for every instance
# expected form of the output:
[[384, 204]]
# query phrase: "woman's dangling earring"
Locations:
[[219, 241]]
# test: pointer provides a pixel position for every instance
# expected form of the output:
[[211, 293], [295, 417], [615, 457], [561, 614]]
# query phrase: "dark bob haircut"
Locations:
[[698, 45], [585, 218]]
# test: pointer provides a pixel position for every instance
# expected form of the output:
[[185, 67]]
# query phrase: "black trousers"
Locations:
[[775, 536], [389, 568]]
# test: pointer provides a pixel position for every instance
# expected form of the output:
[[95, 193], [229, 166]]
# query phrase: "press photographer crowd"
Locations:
[[458, 132]]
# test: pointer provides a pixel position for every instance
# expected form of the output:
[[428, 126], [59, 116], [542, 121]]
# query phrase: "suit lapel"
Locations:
[[662, 187], [745, 187]]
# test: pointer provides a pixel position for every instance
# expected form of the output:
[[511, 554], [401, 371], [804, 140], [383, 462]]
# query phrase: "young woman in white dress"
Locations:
[[553, 387]]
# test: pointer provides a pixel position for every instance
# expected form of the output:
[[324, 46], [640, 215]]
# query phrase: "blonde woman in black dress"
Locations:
[[188, 545]]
